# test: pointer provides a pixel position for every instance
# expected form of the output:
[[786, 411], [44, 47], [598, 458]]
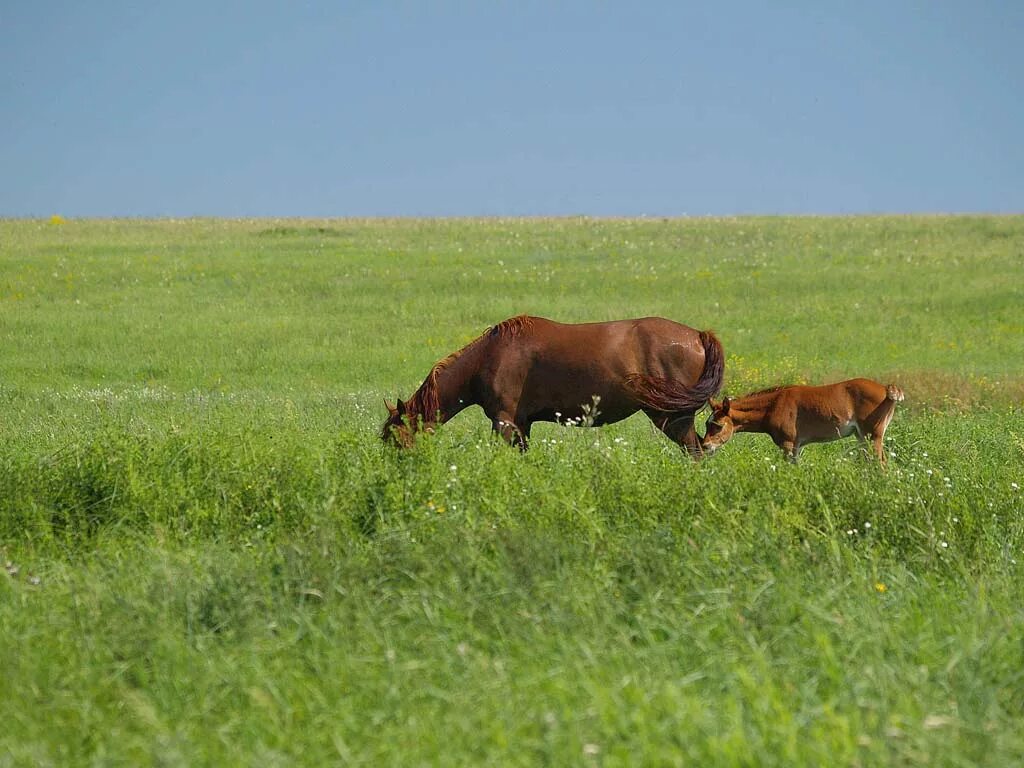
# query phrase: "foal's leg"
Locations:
[[680, 430], [879, 451], [789, 446], [877, 436], [863, 449], [876, 424]]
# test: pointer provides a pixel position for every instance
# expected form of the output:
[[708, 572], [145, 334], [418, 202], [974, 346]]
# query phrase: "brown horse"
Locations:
[[794, 416], [528, 369]]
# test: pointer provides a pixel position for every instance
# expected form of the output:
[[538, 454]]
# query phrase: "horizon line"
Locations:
[[57, 217]]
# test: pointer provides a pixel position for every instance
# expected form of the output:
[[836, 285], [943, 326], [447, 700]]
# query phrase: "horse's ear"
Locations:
[[400, 407], [725, 405], [391, 410]]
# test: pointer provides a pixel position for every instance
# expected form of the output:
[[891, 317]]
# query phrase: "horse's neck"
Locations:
[[453, 383]]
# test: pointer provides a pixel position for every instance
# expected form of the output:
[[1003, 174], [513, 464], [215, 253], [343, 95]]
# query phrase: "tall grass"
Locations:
[[209, 558]]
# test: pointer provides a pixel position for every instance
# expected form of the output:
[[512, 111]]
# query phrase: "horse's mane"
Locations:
[[426, 401], [510, 328]]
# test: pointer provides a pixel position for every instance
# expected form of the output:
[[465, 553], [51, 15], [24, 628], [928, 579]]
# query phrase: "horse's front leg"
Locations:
[[511, 432]]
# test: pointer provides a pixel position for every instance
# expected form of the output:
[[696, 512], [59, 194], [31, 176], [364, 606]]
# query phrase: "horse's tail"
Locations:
[[670, 396], [894, 393]]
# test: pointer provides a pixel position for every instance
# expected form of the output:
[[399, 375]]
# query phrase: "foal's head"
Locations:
[[720, 427]]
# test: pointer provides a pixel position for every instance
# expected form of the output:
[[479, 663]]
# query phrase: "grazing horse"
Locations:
[[794, 416], [528, 369]]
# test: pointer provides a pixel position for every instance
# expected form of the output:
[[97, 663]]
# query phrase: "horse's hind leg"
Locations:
[[680, 430]]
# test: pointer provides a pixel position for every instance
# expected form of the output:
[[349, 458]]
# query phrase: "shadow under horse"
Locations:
[[529, 369]]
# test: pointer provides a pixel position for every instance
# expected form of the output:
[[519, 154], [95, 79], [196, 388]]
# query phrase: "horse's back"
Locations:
[[654, 346], [542, 327]]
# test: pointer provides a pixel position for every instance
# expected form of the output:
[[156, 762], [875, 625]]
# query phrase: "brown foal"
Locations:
[[797, 415]]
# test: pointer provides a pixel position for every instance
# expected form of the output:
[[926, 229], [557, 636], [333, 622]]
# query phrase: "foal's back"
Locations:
[[852, 399]]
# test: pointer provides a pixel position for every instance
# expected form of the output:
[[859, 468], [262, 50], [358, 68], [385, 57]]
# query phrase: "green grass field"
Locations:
[[210, 559]]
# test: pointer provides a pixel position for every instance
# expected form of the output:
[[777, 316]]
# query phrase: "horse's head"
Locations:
[[720, 427], [403, 423], [399, 427]]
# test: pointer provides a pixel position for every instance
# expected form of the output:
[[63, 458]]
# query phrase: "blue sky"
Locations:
[[488, 108]]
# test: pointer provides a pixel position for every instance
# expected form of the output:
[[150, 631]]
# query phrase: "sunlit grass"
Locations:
[[209, 558]]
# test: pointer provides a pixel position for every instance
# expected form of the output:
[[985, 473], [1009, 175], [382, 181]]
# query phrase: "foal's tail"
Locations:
[[670, 396], [894, 393]]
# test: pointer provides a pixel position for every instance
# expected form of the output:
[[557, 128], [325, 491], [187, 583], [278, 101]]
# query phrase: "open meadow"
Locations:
[[209, 558]]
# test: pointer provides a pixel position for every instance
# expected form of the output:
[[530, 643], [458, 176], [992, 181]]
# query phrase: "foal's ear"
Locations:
[[400, 407], [725, 405], [391, 410]]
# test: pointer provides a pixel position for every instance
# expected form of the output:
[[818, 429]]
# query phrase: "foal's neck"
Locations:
[[750, 413]]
